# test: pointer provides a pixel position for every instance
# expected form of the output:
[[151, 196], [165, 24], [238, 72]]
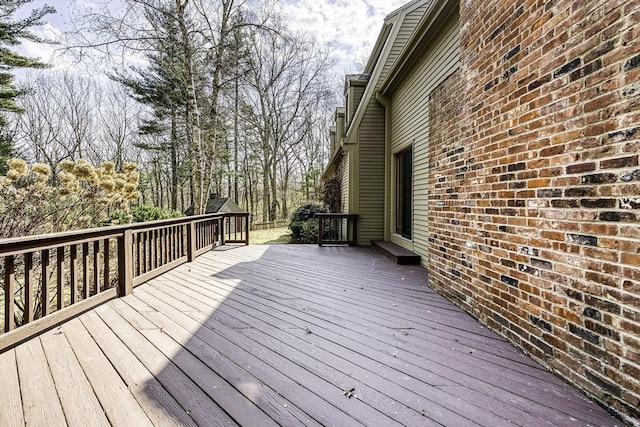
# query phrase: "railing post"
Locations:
[[246, 228], [222, 230], [191, 241], [125, 263], [9, 292], [355, 232], [320, 230]]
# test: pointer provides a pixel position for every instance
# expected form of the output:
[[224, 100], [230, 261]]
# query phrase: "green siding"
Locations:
[[408, 25], [409, 122], [344, 183], [371, 142], [371, 177]]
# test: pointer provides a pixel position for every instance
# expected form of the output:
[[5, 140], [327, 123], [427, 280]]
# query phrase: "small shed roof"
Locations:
[[222, 204], [218, 205]]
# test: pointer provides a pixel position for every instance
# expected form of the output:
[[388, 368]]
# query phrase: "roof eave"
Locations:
[[408, 56]]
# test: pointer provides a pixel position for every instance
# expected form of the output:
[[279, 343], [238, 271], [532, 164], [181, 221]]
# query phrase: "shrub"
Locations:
[[34, 199], [144, 213], [310, 231], [331, 195], [300, 216], [296, 228]]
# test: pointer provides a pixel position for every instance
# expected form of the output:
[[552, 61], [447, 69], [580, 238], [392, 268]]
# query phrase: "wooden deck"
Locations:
[[282, 335]]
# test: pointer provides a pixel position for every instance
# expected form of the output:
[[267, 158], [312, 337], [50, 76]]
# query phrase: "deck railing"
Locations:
[[48, 279], [337, 229]]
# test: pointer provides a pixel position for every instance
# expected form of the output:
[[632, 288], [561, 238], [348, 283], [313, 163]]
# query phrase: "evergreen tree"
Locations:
[[161, 86], [11, 32]]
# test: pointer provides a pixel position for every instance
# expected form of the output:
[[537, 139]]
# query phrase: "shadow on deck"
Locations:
[[283, 335]]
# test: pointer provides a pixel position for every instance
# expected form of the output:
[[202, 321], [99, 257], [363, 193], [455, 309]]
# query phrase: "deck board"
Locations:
[[40, 400], [332, 361], [389, 352], [157, 403], [120, 406], [287, 378], [11, 413], [275, 335], [201, 407], [78, 401]]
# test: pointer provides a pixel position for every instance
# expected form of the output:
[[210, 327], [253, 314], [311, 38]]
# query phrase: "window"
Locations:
[[404, 196]]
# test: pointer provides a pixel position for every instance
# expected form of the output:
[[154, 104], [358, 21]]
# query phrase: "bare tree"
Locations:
[[59, 122], [233, 100], [286, 82]]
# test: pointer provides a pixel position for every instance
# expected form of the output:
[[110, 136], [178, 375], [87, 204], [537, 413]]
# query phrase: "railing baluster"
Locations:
[[163, 244], [106, 267], [145, 249], [141, 248], [73, 271], [152, 250], [46, 282], [85, 270], [136, 240], [158, 240], [202, 234], [178, 241], [174, 235], [158, 249], [184, 239], [9, 292], [60, 277], [28, 288], [96, 266], [145, 235], [149, 260], [170, 245]]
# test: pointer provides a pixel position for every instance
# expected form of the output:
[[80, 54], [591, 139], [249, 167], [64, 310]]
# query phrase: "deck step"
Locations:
[[396, 253]]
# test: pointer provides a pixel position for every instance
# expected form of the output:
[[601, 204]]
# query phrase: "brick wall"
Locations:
[[534, 206]]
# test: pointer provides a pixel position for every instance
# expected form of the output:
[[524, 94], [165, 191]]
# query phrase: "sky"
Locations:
[[349, 27]]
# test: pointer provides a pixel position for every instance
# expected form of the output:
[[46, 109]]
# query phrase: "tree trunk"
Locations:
[[266, 192], [174, 162], [273, 211], [194, 134]]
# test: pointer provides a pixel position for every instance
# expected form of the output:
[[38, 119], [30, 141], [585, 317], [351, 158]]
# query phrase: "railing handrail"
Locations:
[[336, 215], [350, 235], [77, 264], [35, 240], [14, 245]]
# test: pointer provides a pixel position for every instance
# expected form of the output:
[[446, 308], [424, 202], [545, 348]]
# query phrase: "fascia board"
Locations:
[[415, 45], [369, 92]]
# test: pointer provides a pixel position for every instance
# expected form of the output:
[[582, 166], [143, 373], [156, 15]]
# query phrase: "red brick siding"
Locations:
[[534, 207]]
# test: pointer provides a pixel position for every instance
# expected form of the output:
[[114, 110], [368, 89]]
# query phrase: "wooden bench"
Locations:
[[397, 253]]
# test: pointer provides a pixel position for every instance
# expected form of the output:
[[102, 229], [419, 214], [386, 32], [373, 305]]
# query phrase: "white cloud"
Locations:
[[44, 51], [349, 27]]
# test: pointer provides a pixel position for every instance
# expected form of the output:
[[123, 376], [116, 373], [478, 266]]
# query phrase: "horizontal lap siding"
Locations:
[[344, 182], [371, 140], [410, 122], [371, 176], [408, 25]]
